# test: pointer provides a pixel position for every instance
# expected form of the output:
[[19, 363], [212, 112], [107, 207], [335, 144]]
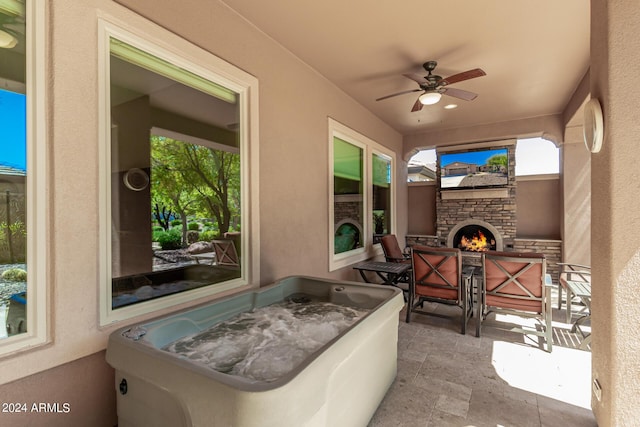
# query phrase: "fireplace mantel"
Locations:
[[483, 193]]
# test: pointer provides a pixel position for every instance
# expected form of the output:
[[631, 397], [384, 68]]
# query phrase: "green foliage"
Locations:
[[196, 180], [14, 275], [208, 224], [207, 235], [170, 240], [17, 250], [155, 235], [176, 223], [498, 160], [193, 226], [157, 228]]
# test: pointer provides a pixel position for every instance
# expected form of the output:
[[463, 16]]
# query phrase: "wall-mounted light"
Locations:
[[7, 40], [450, 106], [430, 98]]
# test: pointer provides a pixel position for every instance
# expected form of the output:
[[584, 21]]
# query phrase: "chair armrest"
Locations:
[[573, 266]]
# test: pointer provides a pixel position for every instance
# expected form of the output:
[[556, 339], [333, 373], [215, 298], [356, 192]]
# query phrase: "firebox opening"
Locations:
[[474, 238]]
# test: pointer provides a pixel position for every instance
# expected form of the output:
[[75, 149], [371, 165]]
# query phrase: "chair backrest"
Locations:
[[391, 249], [514, 280], [225, 252], [437, 272]]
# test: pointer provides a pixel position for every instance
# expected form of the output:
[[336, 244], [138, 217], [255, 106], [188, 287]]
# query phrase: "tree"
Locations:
[[196, 180], [498, 160]]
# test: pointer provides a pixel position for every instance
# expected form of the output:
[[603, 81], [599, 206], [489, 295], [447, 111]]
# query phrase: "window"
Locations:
[[361, 195], [176, 176], [23, 316], [537, 156]]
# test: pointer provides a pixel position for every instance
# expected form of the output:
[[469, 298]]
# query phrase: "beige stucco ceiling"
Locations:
[[534, 53]]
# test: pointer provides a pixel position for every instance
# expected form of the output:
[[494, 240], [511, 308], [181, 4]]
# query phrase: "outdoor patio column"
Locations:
[[615, 185]]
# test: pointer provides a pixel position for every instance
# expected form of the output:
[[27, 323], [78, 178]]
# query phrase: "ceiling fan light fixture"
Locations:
[[450, 106], [430, 98], [7, 40]]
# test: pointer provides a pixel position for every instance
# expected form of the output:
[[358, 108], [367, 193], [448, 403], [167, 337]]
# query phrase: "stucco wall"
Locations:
[[539, 207], [422, 209], [293, 165], [615, 212]]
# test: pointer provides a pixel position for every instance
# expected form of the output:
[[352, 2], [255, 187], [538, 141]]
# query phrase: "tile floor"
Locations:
[[501, 379]]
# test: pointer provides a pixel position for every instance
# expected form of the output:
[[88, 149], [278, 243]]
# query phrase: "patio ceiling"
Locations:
[[534, 53]]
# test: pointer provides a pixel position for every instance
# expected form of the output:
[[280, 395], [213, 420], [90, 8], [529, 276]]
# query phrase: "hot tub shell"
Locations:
[[340, 384]]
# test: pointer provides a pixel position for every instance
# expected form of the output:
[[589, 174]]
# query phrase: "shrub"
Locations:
[[176, 223], [15, 275], [193, 226], [170, 240], [157, 228], [207, 235]]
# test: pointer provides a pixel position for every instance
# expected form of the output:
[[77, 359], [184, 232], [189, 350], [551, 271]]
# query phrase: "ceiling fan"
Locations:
[[435, 86]]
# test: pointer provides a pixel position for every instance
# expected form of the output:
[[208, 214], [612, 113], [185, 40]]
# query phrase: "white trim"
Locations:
[[369, 147], [476, 145], [37, 188], [538, 177], [182, 53]]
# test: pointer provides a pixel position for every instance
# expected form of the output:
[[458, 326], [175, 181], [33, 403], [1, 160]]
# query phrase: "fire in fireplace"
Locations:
[[474, 238]]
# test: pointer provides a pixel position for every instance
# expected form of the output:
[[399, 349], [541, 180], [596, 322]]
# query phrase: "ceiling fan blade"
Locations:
[[416, 78], [459, 93], [417, 106], [466, 75], [399, 93]]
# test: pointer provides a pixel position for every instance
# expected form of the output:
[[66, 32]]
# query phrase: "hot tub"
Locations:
[[340, 384]]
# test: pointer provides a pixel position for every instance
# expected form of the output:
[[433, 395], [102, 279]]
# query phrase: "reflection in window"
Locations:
[[175, 178], [13, 172], [348, 195], [381, 171]]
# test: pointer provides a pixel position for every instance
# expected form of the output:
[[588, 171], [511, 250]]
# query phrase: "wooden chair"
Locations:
[[226, 253], [437, 277], [572, 272], [516, 283]]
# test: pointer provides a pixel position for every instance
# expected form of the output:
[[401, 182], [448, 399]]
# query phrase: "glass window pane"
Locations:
[[175, 179], [381, 167], [348, 196], [13, 173]]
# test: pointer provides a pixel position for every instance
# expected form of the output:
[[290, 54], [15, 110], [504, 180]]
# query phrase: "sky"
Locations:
[[13, 147], [473, 157], [533, 156]]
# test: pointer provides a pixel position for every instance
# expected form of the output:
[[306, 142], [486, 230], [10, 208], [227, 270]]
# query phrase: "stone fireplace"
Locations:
[[475, 236], [479, 214]]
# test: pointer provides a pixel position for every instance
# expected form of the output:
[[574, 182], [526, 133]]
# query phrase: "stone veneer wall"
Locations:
[[482, 204]]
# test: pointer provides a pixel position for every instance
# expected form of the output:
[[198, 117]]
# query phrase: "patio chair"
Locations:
[[437, 277], [515, 283], [574, 272], [226, 253], [392, 251]]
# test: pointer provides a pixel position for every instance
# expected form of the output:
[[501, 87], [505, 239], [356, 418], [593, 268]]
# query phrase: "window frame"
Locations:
[[174, 49], [369, 147], [37, 308]]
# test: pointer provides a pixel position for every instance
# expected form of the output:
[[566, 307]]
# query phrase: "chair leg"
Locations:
[[548, 318], [409, 305], [568, 308], [480, 308], [559, 296], [465, 301]]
